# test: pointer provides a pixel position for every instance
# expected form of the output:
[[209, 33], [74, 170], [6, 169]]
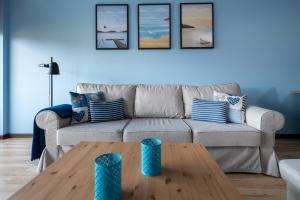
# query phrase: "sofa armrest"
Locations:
[[50, 122], [267, 121]]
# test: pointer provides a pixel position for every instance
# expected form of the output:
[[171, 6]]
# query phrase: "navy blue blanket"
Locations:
[[38, 138]]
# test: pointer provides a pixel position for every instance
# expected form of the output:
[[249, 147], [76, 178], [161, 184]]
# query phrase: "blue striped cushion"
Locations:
[[102, 111], [212, 111]]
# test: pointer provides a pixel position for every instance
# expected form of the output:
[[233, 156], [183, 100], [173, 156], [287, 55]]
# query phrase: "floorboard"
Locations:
[[16, 170]]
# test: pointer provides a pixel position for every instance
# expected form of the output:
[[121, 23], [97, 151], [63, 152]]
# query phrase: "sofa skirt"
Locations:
[[230, 159], [237, 159]]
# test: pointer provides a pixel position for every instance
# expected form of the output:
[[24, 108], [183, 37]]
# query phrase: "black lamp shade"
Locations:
[[54, 69]]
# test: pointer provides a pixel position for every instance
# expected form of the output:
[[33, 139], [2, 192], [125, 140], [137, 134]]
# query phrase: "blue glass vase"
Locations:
[[108, 169], [151, 157]]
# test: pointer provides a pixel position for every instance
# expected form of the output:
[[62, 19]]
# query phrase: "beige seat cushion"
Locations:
[[205, 93], [111, 131], [113, 92], [212, 134], [168, 130], [159, 101]]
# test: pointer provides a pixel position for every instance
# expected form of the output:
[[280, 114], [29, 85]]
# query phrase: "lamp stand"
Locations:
[[53, 70], [51, 90], [51, 87]]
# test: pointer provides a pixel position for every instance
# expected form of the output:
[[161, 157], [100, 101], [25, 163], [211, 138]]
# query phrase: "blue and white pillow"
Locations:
[[237, 106], [102, 111], [211, 111], [80, 105]]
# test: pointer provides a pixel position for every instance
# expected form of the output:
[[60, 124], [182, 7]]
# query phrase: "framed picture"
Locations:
[[112, 26], [196, 25], [154, 26]]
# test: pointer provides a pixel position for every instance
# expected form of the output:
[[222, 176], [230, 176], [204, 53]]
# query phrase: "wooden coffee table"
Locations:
[[189, 172]]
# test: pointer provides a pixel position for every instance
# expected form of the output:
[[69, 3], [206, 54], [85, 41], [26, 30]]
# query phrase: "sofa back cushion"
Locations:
[[113, 92], [205, 93], [159, 101]]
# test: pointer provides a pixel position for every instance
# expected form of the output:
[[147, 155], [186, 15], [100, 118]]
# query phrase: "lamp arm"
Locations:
[[44, 65]]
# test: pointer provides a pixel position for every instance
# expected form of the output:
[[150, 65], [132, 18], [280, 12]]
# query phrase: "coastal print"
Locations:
[[112, 26], [154, 26], [197, 25]]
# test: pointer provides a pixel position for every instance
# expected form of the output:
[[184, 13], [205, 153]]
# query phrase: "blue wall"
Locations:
[[257, 44], [3, 68]]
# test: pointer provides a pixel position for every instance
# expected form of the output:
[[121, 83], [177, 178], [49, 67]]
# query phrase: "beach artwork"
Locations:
[[154, 26], [112, 26], [197, 25]]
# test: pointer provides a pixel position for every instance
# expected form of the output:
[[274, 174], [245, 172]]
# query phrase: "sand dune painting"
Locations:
[[154, 26], [111, 26], [196, 25]]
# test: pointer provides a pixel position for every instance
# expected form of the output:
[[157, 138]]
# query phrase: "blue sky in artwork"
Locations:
[[112, 18], [153, 14], [154, 21]]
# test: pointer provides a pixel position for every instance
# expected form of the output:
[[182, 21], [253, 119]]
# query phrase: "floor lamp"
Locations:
[[53, 70]]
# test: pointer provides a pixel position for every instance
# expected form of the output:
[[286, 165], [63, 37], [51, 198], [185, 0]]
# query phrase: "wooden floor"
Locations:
[[16, 170]]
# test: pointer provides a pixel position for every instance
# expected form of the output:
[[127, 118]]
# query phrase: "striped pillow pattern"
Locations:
[[102, 111], [211, 111]]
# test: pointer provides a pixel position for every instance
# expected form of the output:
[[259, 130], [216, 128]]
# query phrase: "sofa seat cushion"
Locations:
[[212, 134], [168, 130], [111, 131]]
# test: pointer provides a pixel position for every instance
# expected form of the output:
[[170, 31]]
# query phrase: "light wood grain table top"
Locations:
[[189, 172]]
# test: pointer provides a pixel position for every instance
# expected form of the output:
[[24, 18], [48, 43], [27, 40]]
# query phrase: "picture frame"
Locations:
[[112, 26], [197, 25], [154, 26]]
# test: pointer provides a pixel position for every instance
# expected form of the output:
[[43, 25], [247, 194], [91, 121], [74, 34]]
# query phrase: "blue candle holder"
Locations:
[[151, 157], [108, 175]]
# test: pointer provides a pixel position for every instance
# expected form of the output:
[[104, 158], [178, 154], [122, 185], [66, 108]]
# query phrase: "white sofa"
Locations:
[[164, 111]]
